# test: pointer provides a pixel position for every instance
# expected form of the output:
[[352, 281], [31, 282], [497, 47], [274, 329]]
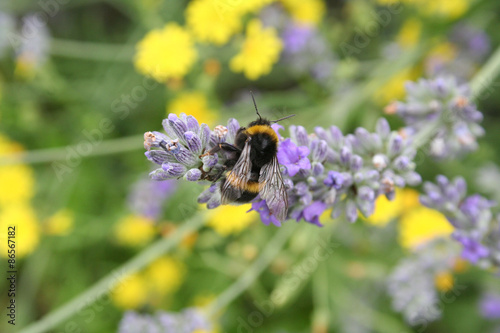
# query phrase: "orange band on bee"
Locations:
[[250, 186], [257, 129]]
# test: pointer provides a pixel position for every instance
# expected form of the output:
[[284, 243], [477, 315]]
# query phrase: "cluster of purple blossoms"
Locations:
[[147, 197], [187, 321], [321, 170], [490, 306], [469, 45], [475, 226], [306, 52], [447, 104], [411, 285]]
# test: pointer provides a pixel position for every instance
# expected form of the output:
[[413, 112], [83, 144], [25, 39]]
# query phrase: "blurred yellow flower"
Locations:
[[307, 12], [131, 293], [444, 51], [162, 277], [446, 8], [227, 220], [9, 147], [27, 230], [261, 50], [444, 281], [134, 231], [17, 180], [209, 22], [25, 67], [386, 210], [409, 34], [165, 275], [421, 225], [60, 224], [17, 184], [194, 104], [166, 53]]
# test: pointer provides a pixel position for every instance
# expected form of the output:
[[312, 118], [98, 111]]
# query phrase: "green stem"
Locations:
[[91, 51], [488, 73], [107, 147], [268, 254], [107, 283], [321, 314]]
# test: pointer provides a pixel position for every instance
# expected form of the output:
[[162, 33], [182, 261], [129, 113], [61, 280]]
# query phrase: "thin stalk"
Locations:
[[107, 147], [320, 285], [244, 281], [109, 282], [91, 50], [488, 73]]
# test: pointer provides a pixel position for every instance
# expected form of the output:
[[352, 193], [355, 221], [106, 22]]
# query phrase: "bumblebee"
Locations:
[[252, 167]]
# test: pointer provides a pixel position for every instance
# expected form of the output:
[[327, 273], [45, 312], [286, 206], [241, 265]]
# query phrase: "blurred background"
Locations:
[[82, 80]]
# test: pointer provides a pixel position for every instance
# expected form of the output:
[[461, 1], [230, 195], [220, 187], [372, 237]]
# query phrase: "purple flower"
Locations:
[[293, 158], [312, 212], [265, 214], [474, 206], [148, 196], [490, 306], [473, 250], [334, 179], [295, 37]]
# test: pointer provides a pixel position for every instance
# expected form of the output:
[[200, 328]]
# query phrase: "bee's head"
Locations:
[[262, 121]]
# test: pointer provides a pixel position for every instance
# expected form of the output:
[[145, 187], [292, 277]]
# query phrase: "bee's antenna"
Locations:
[[255, 104], [290, 116]]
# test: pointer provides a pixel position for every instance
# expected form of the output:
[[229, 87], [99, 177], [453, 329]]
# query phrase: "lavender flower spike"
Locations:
[[188, 321], [475, 227], [444, 101], [322, 171]]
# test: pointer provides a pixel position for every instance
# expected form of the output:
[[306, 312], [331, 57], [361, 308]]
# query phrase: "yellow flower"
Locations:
[[261, 50], [409, 34], [165, 275], [421, 225], [210, 23], [444, 281], [134, 231], [194, 104], [445, 52], [394, 89], [386, 210], [60, 224], [17, 184], [9, 147], [16, 181], [130, 293], [307, 12], [446, 8], [229, 219], [166, 53], [27, 230]]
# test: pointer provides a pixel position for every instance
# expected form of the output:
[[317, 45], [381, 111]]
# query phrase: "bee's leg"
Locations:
[[225, 147], [219, 174]]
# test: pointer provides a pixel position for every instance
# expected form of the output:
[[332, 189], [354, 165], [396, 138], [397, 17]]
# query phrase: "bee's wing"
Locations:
[[237, 178], [273, 189]]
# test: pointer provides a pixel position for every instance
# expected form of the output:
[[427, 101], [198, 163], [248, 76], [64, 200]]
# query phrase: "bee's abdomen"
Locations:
[[246, 197]]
